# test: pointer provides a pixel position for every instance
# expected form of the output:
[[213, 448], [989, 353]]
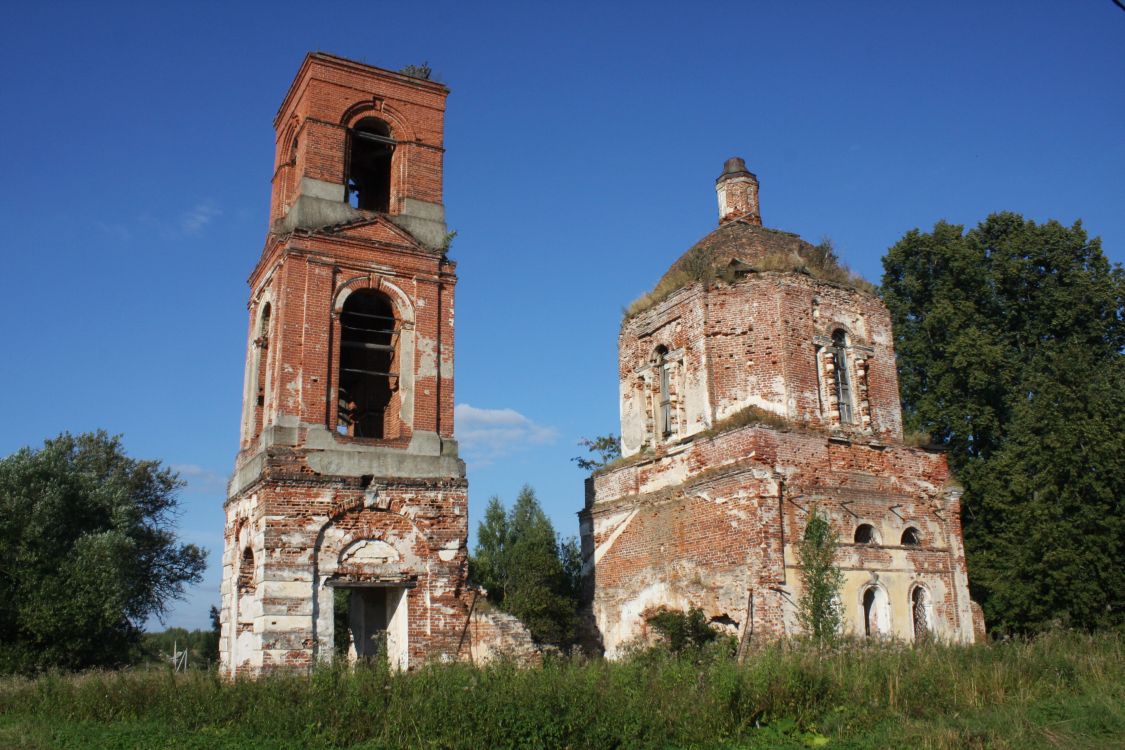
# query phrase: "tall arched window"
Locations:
[[369, 165], [842, 378], [876, 613], [262, 370], [920, 613], [664, 367], [367, 364]]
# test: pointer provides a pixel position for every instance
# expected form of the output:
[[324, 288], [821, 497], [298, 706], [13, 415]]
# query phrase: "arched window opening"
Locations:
[[865, 534], [369, 165], [246, 572], [911, 537], [262, 369], [876, 614], [842, 379], [367, 360], [919, 611], [664, 408], [869, 625]]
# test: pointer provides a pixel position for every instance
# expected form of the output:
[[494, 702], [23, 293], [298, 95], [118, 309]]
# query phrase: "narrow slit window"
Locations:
[[842, 379], [261, 369], [367, 363], [665, 405], [369, 165]]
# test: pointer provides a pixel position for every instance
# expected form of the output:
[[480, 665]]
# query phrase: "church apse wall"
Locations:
[[752, 393]]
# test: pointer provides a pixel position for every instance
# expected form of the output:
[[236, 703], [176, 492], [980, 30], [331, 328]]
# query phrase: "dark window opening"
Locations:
[[869, 626], [367, 358], [369, 165], [663, 367], [865, 534], [842, 380], [246, 572], [263, 343], [911, 537]]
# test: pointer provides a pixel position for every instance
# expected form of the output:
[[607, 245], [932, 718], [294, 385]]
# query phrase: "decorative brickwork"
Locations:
[[697, 519], [348, 478]]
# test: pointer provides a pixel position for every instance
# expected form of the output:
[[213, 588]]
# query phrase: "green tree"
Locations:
[[818, 610], [87, 552], [488, 563], [1010, 340], [604, 450], [518, 559]]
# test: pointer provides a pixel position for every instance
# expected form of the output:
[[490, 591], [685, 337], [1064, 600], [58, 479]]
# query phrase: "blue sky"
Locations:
[[582, 141]]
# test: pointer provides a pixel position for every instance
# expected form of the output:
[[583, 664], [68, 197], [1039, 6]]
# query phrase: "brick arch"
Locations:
[[401, 129], [339, 534], [849, 332], [253, 365], [288, 138], [399, 532], [404, 306], [404, 311]]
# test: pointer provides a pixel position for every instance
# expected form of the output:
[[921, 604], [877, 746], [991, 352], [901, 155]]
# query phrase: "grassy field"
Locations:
[[1060, 691]]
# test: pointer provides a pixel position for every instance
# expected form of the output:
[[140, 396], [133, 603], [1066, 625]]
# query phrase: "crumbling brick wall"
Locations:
[[710, 513], [315, 507], [495, 635]]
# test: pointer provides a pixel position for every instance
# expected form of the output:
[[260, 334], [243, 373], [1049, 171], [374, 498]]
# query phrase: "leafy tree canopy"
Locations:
[[526, 570], [1010, 342], [87, 552]]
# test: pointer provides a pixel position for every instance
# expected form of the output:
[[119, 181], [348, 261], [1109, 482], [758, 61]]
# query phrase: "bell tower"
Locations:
[[348, 494]]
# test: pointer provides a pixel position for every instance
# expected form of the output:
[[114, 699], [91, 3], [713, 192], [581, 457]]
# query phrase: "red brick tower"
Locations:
[[347, 482]]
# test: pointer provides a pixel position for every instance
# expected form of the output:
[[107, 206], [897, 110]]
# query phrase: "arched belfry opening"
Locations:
[[368, 339], [370, 149]]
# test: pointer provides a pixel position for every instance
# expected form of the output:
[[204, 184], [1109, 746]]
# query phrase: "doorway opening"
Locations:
[[370, 624]]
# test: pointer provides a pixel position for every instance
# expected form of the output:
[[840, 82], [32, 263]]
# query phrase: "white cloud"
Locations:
[[487, 434], [187, 224], [198, 217], [200, 479]]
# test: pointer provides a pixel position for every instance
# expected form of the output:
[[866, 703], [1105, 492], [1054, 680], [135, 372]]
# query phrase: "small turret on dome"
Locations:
[[737, 188]]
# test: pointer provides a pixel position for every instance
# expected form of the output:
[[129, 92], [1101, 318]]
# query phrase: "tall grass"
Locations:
[[1064, 688]]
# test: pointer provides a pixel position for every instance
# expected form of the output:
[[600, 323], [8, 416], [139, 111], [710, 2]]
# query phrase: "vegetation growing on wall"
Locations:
[[700, 265], [683, 631]]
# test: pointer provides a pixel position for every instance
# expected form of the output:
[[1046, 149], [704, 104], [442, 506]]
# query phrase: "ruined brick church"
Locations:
[[753, 390], [347, 519]]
